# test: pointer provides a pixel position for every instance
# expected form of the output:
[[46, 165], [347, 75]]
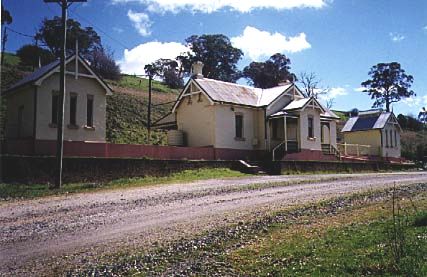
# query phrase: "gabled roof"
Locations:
[[224, 92], [300, 104], [369, 120], [219, 91], [45, 70]]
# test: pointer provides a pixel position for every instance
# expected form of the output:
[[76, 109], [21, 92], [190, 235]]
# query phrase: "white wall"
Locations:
[[305, 142], [22, 97], [83, 86], [394, 149], [196, 120], [253, 127]]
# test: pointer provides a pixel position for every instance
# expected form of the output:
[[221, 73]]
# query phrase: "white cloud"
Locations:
[[359, 89], [396, 37], [259, 44], [135, 59], [425, 28], [415, 101], [412, 101], [118, 30], [141, 21], [333, 93], [209, 6]]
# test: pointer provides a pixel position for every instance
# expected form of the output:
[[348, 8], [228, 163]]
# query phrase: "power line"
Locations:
[[100, 30], [19, 33]]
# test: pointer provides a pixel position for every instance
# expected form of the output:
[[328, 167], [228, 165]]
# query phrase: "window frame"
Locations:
[[239, 131], [20, 120], [90, 117], [310, 129], [386, 139], [73, 117], [54, 115]]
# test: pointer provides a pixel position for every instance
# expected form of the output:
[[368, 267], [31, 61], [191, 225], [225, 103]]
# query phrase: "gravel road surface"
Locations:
[[61, 231]]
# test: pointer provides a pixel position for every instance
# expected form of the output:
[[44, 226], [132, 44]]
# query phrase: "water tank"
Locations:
[[175, 138]]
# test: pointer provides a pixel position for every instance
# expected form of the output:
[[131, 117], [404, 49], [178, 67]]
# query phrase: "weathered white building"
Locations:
[[280, 120], [32, 104]]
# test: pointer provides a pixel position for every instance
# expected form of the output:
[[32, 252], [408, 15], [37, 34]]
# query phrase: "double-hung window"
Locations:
[[55, 108], [73, 109], [238, 118], [310, 127], [89, 111]]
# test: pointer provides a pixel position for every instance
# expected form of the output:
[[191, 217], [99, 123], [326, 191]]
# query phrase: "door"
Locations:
[[326, 139]]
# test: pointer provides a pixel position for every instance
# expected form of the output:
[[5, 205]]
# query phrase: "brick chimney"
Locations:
[[197, 69]]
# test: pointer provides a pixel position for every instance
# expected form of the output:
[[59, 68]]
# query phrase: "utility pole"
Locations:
[[150, 79], [3, 45], [65, 4]]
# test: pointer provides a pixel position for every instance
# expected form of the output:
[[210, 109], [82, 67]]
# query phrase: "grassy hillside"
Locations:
[[127, 110], [11, 59]]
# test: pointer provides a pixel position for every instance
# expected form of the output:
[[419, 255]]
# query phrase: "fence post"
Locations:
[[345, 148], [357, 149]]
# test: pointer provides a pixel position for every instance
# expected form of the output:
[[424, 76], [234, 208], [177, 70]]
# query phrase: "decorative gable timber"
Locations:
[[87, 73], [38, 76], [191, 88]]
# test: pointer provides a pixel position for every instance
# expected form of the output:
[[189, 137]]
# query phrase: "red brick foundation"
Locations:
[[111, 150], [309, 155]]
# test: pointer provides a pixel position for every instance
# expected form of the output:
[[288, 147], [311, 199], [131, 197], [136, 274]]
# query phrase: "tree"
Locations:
[[103, 63], [388, 84], [87, 38], [312, 85], [409, 122], [6, 18], [29, 54], [169, 71], [270, 73], [217, 54]]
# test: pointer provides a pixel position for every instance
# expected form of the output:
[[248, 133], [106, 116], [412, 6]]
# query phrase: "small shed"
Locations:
[[376, 128]]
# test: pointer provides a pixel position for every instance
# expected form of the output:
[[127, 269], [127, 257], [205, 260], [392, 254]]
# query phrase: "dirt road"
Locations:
[[77, 228]]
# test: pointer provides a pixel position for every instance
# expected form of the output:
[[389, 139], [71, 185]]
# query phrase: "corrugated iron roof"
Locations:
[[228, 92], [239, 94], [32, 77], [367, 121]]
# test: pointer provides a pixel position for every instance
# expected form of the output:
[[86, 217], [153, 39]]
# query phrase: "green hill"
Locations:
[[127, 110]]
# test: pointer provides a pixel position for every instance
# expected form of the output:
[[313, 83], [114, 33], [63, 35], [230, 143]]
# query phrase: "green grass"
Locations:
[[129, 81], [359, 243], [8, 191], [127, 120], [11, 59]]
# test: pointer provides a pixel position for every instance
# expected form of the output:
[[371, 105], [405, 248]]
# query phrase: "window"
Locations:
[[386, 138], [20, 120], [395, 138], [89, 111], [239, 125], [310, 127], [391, 138], [73, 109], [55, 106]]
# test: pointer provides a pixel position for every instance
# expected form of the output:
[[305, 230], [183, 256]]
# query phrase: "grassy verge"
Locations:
[[347, 236], [358, 242], [8, 191]]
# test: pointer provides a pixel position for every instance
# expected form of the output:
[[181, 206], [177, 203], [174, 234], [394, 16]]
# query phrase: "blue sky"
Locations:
[[338, 40]]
